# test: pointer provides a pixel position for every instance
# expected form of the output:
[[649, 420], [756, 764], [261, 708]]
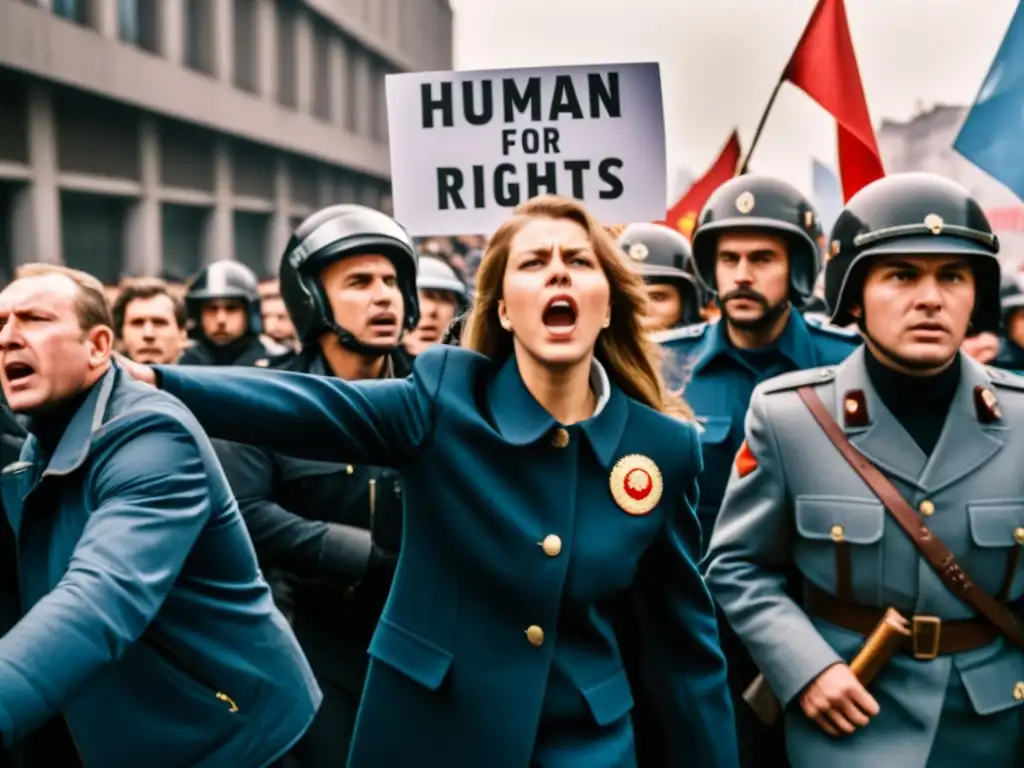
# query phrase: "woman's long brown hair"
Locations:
[[631, 359]]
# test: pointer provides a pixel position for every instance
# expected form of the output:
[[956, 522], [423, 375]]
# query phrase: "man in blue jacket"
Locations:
[[756, 253], [147, 622]]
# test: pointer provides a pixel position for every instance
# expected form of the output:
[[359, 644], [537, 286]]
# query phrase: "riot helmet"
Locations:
[[438, 275], [329, 235], [911, 213], [663, 255], [225, 279], [760, 204]]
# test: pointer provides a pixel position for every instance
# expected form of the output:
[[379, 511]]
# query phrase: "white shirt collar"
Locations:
[[600, 384]]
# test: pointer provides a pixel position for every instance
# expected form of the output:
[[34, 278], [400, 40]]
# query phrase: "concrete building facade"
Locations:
[[154, 136]]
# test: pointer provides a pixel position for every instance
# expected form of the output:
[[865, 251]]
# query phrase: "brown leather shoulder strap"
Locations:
[[927, 543]]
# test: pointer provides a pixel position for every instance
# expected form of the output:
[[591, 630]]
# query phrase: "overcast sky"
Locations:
[[720, 59]]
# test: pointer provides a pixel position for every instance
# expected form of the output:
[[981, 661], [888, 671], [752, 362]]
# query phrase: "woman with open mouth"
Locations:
[[547, 608]]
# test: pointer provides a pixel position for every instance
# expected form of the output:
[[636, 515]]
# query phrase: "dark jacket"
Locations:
[[518, 543], [312, 521], [248, 350], [148, 624]]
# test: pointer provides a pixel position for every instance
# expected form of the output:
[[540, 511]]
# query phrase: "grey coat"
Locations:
[[950, 711]]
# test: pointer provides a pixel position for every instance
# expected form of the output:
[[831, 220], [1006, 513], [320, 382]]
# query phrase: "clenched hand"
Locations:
[[838, 702]]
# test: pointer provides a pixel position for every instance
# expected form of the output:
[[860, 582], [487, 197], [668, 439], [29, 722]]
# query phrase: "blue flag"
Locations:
[[992, 136], [828, 194]]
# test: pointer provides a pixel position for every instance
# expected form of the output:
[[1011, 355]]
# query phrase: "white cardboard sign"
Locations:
[[468, 147]]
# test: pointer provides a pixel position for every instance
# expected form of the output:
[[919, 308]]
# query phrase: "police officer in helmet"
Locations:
[[888, 219], [1011, 303], [223, 305], [755, 254], [348, 278], [443, 296], [913, 262], [665, 259]]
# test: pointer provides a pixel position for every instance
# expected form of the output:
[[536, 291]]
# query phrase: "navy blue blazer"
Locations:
[[485, 602], [148, 624]]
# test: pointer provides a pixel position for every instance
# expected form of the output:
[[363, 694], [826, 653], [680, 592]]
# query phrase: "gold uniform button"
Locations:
[[535, 635], [926, 508], [560, 438], [1018, 691], [551, 545], [838, 532], [1018, 535], [349, 469]]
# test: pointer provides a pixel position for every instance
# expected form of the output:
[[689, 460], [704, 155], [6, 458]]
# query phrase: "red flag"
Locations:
[[683, 215], [824, 66]]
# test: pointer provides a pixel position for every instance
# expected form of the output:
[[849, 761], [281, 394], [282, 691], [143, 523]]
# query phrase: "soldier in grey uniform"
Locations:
[[913, 264]]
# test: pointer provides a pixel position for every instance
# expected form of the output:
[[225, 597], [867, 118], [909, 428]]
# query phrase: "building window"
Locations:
[[92, 234], [7, 192], [74, 10], [286, 55], [128, 20], [14, 129], [362, 90], [251, 240], [353, 64], [136, 23], [182, 235], [378, 105], [245, 45], [198, 21], [322, 76]]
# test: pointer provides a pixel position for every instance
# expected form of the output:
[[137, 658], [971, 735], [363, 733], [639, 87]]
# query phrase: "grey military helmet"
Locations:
[[436, 274]]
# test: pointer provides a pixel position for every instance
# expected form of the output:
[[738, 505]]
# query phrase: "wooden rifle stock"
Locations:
[[878, 648]]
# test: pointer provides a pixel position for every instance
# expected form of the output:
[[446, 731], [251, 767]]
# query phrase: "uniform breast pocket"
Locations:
[[839, 542], [997, 533], [718, 457]]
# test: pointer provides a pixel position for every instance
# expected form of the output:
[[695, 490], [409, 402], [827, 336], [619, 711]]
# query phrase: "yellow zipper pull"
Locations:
[[221, 696]]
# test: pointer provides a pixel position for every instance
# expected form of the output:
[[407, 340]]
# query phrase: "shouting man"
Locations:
[[148, 624]]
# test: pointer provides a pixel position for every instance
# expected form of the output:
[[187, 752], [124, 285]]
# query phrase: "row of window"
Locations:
[[93, 227], [356, 73]]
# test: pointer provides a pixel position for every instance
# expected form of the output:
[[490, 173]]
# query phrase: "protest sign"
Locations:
[[468, 147]]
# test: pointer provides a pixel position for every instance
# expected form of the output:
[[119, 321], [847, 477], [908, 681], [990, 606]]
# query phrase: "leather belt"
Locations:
[[930, 637]]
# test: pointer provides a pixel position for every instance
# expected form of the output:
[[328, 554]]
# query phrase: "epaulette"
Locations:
[[821, 324], [1005, 379], [794, 379], [683, 333]]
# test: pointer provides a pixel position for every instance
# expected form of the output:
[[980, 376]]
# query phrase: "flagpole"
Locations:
[[775, 92], [760, 126]]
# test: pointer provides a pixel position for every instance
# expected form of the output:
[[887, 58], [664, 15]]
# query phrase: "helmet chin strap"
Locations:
[[351, 343]]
